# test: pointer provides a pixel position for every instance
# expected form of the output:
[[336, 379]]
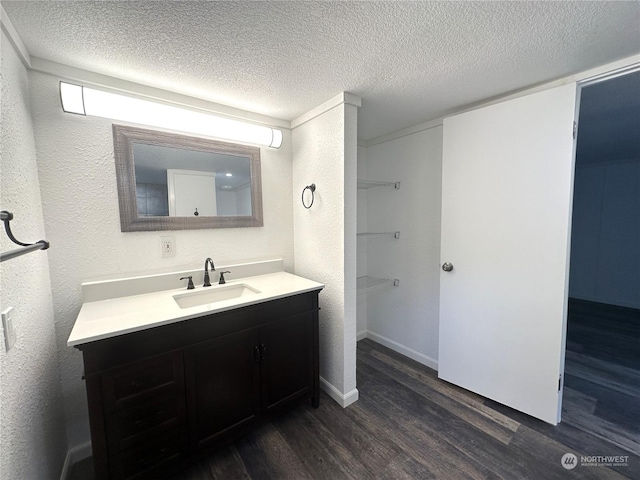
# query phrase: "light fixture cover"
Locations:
[[71, 98], [88, 101]]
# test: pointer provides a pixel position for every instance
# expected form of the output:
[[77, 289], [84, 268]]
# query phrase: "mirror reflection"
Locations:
[[182, 183], [169, 181]]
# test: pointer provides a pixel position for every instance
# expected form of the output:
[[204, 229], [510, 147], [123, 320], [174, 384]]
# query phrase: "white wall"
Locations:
[[362, 242], [405, 318], [32, 432], [78, 185], [325, 153], [605, 238]]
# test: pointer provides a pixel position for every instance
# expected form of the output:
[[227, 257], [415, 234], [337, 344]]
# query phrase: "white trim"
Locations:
[[587, 77], [608, 75], [14, 38], [406, 351], [117, 85], [361, 335], [606, 69], [66, 467], [344, 97], [74, 455], [404, 132], [625, 64], [344, 400]]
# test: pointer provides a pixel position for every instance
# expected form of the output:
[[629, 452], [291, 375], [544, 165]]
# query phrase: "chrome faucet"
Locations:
[[207, 262]]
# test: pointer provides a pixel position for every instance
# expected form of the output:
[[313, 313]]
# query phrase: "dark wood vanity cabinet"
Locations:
[[287, 364], [163, 397], [223, 386]]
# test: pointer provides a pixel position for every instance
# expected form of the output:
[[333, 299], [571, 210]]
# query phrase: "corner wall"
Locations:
[[325, 153], [78, 183], [405, 318], [32, 432]]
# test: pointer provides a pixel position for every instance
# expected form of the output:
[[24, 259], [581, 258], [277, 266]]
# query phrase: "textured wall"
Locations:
[[33, 442], [406, 318], [324, 153], [350, 247], [78, 185]]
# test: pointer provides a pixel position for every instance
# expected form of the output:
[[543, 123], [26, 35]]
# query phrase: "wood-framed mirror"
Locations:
[[169, 181]]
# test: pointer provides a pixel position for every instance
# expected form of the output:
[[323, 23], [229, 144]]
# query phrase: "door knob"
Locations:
[[447, 267]]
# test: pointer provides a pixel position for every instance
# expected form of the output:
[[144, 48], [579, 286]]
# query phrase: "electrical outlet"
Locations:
[[8, 327], [168, 246]]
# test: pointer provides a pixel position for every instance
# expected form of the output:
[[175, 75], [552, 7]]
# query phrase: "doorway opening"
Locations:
[[602, 365]]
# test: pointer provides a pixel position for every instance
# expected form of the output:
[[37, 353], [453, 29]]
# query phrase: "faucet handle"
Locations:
[[222, 280], [190, 284]]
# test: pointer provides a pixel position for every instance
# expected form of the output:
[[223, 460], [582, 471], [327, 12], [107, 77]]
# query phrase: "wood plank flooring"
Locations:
[[602, 372], [408, 424], [606, 332]]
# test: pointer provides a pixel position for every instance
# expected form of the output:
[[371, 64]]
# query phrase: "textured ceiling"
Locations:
[[409, 61]]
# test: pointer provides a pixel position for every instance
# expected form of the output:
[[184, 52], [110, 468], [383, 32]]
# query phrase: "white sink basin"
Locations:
[[213, 295]]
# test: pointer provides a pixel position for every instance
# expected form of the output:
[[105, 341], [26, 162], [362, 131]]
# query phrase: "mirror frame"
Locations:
[[125, 136]]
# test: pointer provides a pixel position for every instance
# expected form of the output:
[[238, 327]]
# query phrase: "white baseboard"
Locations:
[[344, 400], [406, 351], [75, 454], [361, 335]]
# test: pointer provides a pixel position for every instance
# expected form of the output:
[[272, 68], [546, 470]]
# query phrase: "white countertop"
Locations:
[[108, 318]]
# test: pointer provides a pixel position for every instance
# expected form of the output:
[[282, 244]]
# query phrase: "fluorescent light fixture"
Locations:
[[228, 174], [87, 101]]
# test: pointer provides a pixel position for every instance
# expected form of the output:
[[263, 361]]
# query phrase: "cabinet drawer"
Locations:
[[144, 422], [134, 383], [151, 460]]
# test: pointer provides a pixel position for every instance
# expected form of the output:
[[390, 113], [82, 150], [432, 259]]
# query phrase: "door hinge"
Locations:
[[575, 130], [559, 382]]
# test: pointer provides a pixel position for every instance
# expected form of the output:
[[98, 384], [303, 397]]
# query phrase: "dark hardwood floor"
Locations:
[[408, 424], [602, 372], [605, 332]]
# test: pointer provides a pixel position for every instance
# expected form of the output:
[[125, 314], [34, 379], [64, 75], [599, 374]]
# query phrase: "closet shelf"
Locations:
[[366, 283], [364, 184], [395, 235]]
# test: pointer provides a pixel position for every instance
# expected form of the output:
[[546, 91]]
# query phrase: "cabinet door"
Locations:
[[223, 386], [287, 358]]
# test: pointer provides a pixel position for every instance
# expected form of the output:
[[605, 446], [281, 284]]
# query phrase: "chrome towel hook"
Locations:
[[312, 189]]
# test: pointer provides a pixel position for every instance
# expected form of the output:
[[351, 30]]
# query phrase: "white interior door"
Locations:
[[507, 185], [191, 191]]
